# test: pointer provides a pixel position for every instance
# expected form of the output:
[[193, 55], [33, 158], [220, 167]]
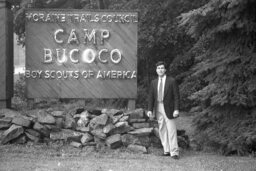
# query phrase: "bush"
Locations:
[[227, 129], [188, 87], [19, 100]]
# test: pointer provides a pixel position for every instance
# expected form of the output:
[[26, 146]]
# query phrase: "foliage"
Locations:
[[141, 101], [19, 101], [226, 130], [225, 60]]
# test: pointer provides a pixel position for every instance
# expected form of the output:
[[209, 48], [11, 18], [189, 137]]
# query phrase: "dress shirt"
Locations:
[[163, 83]]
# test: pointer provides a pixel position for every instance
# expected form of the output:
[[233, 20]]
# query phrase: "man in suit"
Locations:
[[163, 104]]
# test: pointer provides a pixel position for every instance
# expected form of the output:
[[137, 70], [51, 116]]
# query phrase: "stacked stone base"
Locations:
[[82, 127]]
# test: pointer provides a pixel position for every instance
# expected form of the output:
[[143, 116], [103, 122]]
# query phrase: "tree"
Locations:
[[225, 60]]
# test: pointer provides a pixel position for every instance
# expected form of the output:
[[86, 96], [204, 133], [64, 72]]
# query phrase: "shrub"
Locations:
[[224, 129], [19, 100]]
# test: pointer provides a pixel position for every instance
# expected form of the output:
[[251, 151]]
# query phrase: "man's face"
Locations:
[[160, 70]]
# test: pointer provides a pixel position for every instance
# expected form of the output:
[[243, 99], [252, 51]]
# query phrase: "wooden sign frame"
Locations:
[[81, 54]]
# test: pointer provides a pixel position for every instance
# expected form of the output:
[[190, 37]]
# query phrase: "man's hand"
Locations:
[[150, 114], [176, 114]]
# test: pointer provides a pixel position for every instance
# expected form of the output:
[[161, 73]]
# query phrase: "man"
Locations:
[[164, 105]]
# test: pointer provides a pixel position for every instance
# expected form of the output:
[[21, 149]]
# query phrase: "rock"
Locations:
[[90, 144], [92, 116], [128, 139], [116, 119], [59, 122], [21, 121], [76, 144], [33, 132], [121, 124], [52, 128], [84, 120], [86, 138], [80, 110], [140, 125], [57, 114], [108, 128], [32, 114], [77, 116], [100, 143], [135, 114], [96, 112], [20, 140], [111, 112], [121, 128], [67, 135], [99, 133], [9, 113], [42, 129], [141, 131], [83, 129], [5, 126], [124, 118], [134, 120], [33, 138], [5, 120], [114, 141], [99, 121], [85, 114], [45, 118], [13, 132], [69, 123], [137, 148], [71, 112]]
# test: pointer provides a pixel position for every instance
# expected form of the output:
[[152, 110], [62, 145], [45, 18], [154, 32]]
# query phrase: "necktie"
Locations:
[[160, 92]]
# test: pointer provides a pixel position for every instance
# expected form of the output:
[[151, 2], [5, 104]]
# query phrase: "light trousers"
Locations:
[[167, 131]]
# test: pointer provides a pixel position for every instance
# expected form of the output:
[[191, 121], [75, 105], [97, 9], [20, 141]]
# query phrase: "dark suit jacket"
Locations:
[[171, 96]]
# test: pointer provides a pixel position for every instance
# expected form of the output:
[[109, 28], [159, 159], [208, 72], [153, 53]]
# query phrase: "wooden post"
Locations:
[[131, 104], [6, 54]]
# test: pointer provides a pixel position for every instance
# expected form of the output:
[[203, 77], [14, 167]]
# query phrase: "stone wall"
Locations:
[[84, 127]]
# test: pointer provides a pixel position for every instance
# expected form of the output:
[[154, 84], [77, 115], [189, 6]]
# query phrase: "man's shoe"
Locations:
[[176, 157], [166, 154]]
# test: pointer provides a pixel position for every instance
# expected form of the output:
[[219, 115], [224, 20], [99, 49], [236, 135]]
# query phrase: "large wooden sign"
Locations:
[[81, 54]]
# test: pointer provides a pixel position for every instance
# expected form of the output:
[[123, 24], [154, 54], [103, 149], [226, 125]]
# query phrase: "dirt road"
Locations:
[[65, 158]]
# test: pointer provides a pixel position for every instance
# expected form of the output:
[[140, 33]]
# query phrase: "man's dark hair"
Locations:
[[161, 63]]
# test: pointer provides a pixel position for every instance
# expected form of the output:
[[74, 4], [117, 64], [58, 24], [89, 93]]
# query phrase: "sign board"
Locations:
[[81, 54]]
